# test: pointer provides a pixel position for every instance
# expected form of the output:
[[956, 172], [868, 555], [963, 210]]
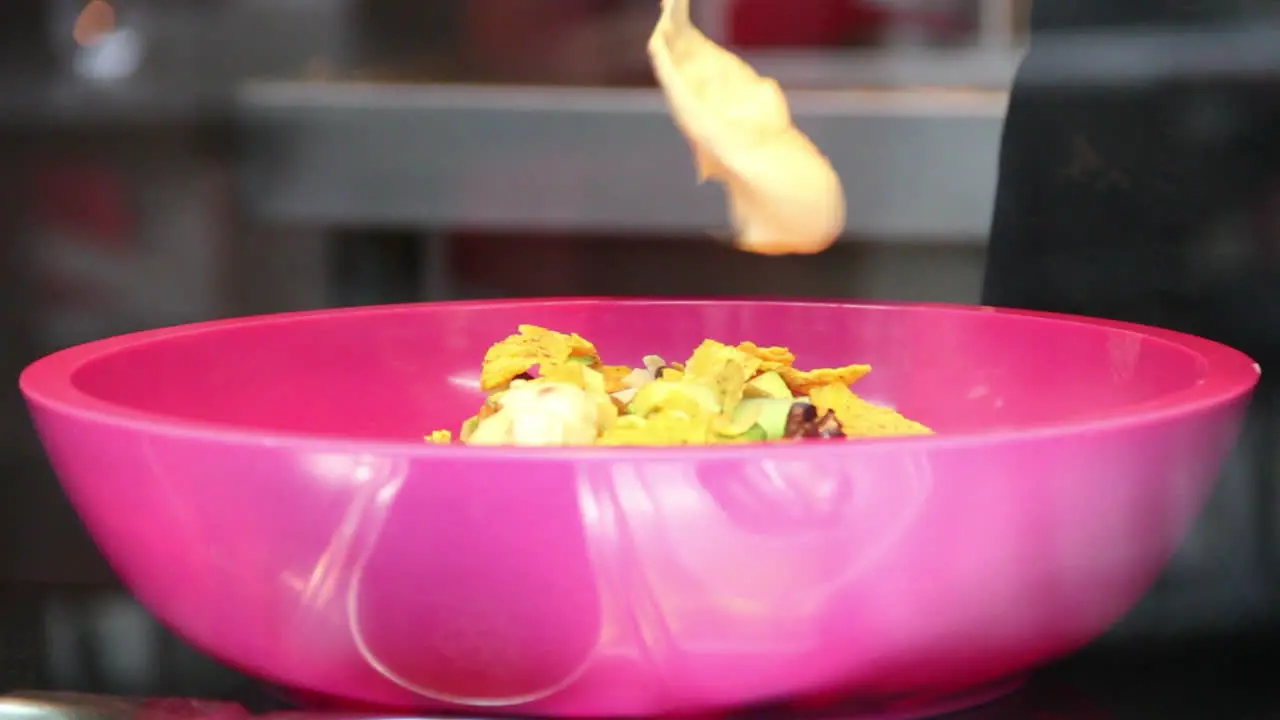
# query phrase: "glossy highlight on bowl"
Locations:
[[262, 486]]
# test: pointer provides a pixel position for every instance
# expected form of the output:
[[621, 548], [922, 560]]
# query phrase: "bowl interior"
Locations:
[[393, 373]]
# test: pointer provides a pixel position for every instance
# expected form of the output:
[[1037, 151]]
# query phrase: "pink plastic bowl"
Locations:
[[261, 485]]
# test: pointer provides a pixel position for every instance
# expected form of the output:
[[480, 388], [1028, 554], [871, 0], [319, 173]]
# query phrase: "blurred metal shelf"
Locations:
[[917, 164], [1122, 58], [918, 160], [977, 68], [65, 103]]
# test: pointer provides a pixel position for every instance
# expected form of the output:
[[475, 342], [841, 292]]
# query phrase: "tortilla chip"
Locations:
[[614, 376], [711, 356], [531, 346], [725, 369], [859, 418], [665, 427], [802, 382], [569, 373], [578, 345], [771, 358]]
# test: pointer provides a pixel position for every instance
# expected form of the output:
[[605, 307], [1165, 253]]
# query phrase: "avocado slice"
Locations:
[[468, 428], [768, 385], [770, 414], [593, 379], [674, 395]]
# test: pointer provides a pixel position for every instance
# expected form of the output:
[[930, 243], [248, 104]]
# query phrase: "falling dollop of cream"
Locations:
[[784, 196]]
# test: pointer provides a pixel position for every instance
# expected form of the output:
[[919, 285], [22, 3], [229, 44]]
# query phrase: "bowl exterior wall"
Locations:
[[588, 586]]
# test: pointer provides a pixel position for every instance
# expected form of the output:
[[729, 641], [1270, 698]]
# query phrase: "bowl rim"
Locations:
[[47, 383]]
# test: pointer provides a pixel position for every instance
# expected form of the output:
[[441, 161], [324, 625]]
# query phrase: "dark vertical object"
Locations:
[[12, 342], [16, 345], [402, 35], [437, 270], [1267, 413], [1123, 202], [23, 36], [374, 268], [1107, 196], [22, 647]]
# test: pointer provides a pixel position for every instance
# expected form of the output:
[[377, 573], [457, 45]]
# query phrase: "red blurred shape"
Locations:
[[87, 202], [803, 23]]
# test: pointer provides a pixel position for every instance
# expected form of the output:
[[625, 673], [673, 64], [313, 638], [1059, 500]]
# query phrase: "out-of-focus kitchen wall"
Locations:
[[117, 213], [119, 209]]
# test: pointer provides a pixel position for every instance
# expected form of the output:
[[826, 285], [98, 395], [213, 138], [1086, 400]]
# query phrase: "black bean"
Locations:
[[803, 423], [799, 416], [803, 411], [829, 426]]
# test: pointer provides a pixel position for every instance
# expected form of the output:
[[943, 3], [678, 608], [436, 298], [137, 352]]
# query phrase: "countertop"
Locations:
[[1223, 678]]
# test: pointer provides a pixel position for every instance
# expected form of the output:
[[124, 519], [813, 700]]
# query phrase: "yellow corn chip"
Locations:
[[859, 418], [499, 370], [468, 428], [677, 400], [570, 373], [631, 430], [730, 384], [613, 377], [697, 402], [531, 346], [684, 429], [578, 345], [711, 356], [771, 358], [666, 427], [490, 406], [802, 382], [723, 368], [607, 411]]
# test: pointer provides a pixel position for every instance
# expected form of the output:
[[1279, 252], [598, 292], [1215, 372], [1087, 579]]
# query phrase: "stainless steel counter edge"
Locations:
[[917, 165]]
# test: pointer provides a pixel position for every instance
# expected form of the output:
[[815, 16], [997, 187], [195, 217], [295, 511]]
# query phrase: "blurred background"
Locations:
[[168, 161]]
